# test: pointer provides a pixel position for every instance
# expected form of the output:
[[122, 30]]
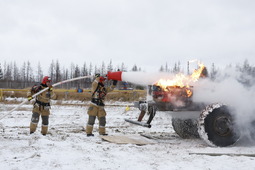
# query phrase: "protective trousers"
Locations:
[[91, 122], [93, 112], [35, 120]]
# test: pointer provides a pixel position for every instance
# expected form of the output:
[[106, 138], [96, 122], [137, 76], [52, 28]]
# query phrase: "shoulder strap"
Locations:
[[36, 88], [96, 89]]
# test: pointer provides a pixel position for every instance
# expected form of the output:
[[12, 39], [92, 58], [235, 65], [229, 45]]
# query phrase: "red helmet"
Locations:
[[46, 79], [101, 79]]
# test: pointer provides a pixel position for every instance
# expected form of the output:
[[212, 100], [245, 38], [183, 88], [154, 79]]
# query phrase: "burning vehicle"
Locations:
[[212, 122]]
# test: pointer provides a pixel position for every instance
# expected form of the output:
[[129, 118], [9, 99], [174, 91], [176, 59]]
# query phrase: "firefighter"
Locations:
[[41, 105], [96, 107]]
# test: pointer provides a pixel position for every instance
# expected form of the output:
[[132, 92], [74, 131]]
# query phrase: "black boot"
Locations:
[[88, 135]]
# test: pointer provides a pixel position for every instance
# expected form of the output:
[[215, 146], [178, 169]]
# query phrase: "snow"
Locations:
[[67, 146]]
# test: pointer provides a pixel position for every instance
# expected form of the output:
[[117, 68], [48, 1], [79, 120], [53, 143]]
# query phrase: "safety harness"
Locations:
[[35, 89], [101, 94]]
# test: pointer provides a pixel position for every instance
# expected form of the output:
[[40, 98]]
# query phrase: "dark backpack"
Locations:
[[36, 88]]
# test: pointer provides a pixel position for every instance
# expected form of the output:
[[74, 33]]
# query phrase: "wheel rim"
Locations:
[[222, 126]]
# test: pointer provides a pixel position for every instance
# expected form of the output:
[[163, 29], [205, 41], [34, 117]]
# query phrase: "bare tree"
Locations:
[[213, 72], [77, 74], [166, 68], [52, 71], [57, 72], [161, 69], [96, 70], [176, 68], [65, 76], [29, 73], [123, 67], [84, 70], [134, 68], [23, 74], [90, 72], [110, 67], [76, 71], [39, 72], [8, 72], [16, 73], [103, 69]]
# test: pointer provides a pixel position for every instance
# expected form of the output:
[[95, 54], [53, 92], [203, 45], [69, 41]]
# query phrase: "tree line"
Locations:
[[12, 76]]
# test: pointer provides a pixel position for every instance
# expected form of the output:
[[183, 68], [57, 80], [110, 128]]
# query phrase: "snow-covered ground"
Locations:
[[67, 146]]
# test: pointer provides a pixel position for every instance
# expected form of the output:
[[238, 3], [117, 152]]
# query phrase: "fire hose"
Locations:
[[110, 76], [54, 85]]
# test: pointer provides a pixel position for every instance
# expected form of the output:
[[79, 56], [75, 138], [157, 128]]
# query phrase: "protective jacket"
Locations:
[[96, 107], [42, 102]]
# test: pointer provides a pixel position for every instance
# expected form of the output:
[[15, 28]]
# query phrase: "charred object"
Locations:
[[213, 123]]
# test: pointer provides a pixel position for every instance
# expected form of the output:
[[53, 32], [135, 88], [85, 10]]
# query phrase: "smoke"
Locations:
[[234, 89], [231, 87], [144, 78]]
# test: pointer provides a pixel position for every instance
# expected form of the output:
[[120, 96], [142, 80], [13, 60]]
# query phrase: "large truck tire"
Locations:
[[216, 126], [185, 128]]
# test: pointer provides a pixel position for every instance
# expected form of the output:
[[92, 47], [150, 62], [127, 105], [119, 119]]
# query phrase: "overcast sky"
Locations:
[[148, 33]]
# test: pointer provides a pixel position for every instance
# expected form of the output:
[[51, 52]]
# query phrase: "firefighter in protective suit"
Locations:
[[96, 107], [41, 105]]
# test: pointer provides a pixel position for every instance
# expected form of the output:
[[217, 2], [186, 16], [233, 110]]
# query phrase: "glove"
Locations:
[[114, 82], [50, 87], [29, 98]]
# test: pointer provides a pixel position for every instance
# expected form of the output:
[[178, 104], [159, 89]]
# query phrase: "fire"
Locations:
[[182, 81], [197, 73], [179, 80], [189, 92]]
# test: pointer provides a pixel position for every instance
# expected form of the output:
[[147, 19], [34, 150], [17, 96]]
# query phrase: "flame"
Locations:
[[179, 80], [188, 92], [197, 73], [182, 81]]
